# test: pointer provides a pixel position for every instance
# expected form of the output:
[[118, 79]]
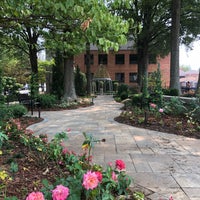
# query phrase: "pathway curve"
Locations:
[[163, 164]]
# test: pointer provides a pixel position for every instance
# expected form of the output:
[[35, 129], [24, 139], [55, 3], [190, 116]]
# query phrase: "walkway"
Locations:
[[163, 164]]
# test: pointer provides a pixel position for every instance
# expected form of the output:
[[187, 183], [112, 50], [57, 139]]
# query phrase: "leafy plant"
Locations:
[[175, 106], [47, 100], [3, 138], [14, 167]]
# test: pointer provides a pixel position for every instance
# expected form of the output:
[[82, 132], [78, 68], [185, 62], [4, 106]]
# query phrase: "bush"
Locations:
[[17, 110], [47, 100], [175, 107], [5, 112], [174, 92], [123, 95], [122, 88], [80, 82], [12, 111], [137, 100]]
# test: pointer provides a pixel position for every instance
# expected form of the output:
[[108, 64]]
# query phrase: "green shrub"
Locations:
[[124, 95], [122, 88], [2, 98], [47, 100], [80, 82], [17, 110], [175, 107], [166, 91], [5, 112], [174, 92], [136, 100]]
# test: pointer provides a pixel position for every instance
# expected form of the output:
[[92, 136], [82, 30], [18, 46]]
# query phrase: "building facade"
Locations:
[[122, 65]]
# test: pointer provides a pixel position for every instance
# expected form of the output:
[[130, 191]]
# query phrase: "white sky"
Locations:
[[190, 57]]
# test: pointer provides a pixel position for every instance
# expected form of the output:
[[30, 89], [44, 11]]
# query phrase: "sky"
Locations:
[[190, 57]]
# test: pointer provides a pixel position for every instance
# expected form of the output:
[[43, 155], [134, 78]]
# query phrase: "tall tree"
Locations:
[[175, 43], [149, 29], [82, 23], [150, 23]]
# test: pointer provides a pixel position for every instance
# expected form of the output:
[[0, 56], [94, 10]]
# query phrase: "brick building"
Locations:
[[122, 65]]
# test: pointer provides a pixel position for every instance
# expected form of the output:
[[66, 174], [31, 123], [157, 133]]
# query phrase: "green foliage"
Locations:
[[122, 88], [10, 86], [175, 106], [17, 110], [47, 100], [5, 113], [155, 87], [136, 100], [58, 78], [174, 92], [115, 86], [80, 82], [193, 110], [123, 95], [14, 167], [3, 138]]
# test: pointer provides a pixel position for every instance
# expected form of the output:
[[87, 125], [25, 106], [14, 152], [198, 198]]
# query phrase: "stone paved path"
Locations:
[[164, 164]]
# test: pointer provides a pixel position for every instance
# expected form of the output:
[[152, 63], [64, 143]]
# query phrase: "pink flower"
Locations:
[[119, 164], [153, 105], [90, 180], [114, 177], [161, 110], [35, 196], [65, 151], [60, 193], [171, 198], [99, 175], [110, 164], [69, 129]]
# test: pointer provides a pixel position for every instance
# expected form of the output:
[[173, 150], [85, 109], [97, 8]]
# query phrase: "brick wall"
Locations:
[[125, 68]]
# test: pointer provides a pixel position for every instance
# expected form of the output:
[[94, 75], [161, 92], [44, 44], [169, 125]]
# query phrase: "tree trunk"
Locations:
[[88, 67], [32, 39], [69, 86], [175, 30], [143, 62], [198, 85]]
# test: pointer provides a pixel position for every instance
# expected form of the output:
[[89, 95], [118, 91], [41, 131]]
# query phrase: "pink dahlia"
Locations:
[[153, 105], [114, 177], [119, 164], [60, 193], [99, 175], [90, 180], [35, 196]]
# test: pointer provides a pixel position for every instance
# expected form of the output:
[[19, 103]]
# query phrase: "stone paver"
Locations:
[[163, 164]]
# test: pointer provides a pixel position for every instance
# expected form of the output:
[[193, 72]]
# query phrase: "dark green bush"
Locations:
[[5, 112], [2, 98], [174, 92], [80, 82], [17, 110], [137, 100], [124, 95], [47, 100], [170, 92], [175, 107], [122, 88]]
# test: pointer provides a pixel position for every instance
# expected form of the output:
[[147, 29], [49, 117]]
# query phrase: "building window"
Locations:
[[152, 59], [133, 77], [91, 59], [133, 59], [103, 59], [119, 77], [119, 59]]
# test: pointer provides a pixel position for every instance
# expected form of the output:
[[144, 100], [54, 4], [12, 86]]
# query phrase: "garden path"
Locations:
[[163, 164]]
